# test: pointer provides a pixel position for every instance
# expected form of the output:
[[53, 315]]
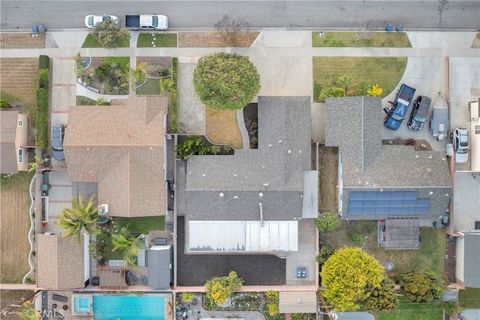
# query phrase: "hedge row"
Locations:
[[173, 97], [42, 103]]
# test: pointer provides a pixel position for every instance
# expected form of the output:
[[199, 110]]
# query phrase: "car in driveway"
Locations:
[[460, 144], [58, 131], [399, 109], [91, 20], [419, 113]]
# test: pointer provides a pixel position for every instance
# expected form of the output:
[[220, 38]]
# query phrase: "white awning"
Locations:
[[243, 236]]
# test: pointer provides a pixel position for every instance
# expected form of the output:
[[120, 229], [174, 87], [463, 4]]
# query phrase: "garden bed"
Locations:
[[199, 145], [360, 39], [108, 75], [149, 40], [250, 116], [154, 69], [356, 74], [328, 163]]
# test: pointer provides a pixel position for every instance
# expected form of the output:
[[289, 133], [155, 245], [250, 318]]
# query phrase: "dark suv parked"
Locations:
[[419, 114], [57, 142]]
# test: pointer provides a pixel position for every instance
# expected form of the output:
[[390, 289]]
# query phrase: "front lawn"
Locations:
[[91, 42], [361, 39], [360, 72], [430, 254], [159, 40], [417, 311], [222, 128], [469, 298], [151, 87]]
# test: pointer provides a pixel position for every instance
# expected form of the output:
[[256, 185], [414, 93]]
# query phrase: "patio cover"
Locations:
[[402, 234], [298, 301], [112, 278], [249, 236]]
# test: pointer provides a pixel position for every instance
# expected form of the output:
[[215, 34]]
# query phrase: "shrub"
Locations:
[[4, 104], [272, 303], [173, 97], [187, 297], [44, 62], [42, 118], [382, 298], [43, 78], [332, 92], [220, 289], [192, 145], [226, 81], [108, 34], [273, 309], [421, 286], [326, 251], [327, 222], [28, 312], [358, 238], [451, 308]]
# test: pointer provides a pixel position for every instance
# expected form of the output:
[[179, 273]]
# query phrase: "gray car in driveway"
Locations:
[[58, 131], [419, 114]]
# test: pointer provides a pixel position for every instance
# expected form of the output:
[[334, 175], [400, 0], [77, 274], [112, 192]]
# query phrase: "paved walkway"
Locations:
[[243, 129], [191, 112]]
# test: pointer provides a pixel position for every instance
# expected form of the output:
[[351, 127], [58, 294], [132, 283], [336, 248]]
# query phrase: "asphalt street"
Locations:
[[413, 15]]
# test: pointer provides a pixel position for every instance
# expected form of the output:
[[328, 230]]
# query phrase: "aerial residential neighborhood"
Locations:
[[256, 160]]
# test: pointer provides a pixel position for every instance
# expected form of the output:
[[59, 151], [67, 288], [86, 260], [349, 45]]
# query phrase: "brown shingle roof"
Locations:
[[8, 126], [122, 149], [59, 262]]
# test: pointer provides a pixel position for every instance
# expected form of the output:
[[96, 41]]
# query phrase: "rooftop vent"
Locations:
[[221, 194]]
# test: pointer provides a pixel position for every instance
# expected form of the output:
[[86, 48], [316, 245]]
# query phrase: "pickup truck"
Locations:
[[399, 110], [148, 22]]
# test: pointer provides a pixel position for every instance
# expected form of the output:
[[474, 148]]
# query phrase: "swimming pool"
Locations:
[[82, 304], [128, 307]]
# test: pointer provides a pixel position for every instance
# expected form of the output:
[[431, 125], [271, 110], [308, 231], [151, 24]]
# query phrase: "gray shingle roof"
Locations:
[[159, 262], [275, 169], [472, 260]]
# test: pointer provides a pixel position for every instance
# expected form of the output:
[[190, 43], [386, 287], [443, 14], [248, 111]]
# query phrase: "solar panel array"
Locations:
[[387, 203]]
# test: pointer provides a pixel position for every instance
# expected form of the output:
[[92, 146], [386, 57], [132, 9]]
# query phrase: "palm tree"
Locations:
[[82, 215], [166, 86], [128, 244]]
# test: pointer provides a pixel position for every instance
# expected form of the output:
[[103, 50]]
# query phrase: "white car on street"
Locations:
[[460, 144], [91, 21]]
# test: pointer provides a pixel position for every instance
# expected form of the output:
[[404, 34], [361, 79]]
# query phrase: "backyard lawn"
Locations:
[[161, 40], [14, 222], [386, 72], [469, 298], [222, 128], [361, 39], [135, 225], [417, 311], [430, 254], [91, 42]]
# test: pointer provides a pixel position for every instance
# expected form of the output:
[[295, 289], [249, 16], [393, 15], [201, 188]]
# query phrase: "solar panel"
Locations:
[[387, 203]]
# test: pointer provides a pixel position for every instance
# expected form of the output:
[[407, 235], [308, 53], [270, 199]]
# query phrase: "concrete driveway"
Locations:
[[466, 201], [59, 197], [427, 76]]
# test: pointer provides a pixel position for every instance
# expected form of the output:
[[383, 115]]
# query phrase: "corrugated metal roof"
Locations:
[[247, 236]]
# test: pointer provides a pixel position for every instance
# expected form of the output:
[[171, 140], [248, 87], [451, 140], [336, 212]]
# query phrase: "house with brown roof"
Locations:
[[13, 136], [122, 149], [62, 262]]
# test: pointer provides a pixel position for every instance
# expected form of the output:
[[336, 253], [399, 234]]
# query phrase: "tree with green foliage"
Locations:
[[226, 81], [326, 250], [327, 222], [272, 297], [108, 34], [187, 297], [346, 275], [421, 286], [382, 298], [4, 104], [166, 86], [220, 289], [128, 244], [81, 216], [28, 312]]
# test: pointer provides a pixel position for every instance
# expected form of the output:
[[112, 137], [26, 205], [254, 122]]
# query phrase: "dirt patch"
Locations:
[[328, 167], [250, 116], [15, 223], [18, 79], [155, 65], [11, 300], [419, 145], [20, 40], [476, 41], [222, 128], [214, 39]]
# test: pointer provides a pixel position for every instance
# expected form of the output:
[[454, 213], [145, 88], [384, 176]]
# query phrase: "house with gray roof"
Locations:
[[13, 141], [378, 180], [251, 201], [468, 259]]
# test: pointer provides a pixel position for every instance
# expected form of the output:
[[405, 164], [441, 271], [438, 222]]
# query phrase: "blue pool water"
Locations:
[[128, 308], [82, 305]]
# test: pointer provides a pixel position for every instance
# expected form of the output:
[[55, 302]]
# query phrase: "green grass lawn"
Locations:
[[469, 298], [135, 225], [91, 42], [361, 39], [123, 61], [161, 40], [150, 88], [430, 254], [387, 72], [418, 311]]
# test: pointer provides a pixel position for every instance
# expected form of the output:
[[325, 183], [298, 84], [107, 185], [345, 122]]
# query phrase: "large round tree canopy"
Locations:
[[346, 275], [226, 81]]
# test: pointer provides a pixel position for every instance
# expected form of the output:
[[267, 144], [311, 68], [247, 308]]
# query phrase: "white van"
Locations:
[[475, 135]]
